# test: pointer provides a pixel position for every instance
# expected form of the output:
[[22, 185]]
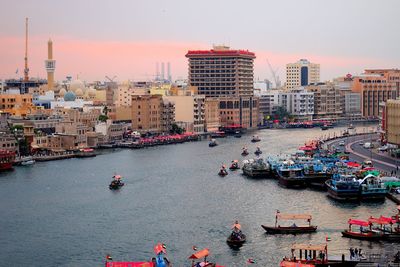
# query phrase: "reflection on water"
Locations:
[[62, 213]]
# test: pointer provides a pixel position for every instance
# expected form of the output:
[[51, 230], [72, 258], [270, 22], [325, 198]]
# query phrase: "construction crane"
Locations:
[[111, 80], [276, 77], [26, 69]]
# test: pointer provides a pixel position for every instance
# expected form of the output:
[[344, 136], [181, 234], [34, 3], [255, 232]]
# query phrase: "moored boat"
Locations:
[[343, 187], [218, 134], [85, 153], [245, 152], [293, 229], [365, 233], [7, 159], [256, 168], [27, 161], [313, 256], [291, 175], [372, 189]]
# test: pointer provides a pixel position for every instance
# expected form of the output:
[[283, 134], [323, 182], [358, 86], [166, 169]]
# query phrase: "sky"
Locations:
[[126, 38]]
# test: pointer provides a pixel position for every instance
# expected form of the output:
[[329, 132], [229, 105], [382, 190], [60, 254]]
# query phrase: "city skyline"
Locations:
[[91, 45]]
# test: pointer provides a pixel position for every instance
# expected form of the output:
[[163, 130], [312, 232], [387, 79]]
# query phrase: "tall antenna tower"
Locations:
[[26, 69]]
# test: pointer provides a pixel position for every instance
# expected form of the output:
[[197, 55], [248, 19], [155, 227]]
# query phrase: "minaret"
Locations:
[[50, 65], [26, 69]]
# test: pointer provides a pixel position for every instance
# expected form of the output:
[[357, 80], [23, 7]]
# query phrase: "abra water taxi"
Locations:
[[365, 233], [202, 254], [116, 183], [293, 229]]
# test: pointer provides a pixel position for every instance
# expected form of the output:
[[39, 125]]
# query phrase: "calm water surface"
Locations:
[[62, 213]]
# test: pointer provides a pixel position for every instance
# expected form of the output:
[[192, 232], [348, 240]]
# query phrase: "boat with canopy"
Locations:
[[366, 232], [202, 254], [293, 229]]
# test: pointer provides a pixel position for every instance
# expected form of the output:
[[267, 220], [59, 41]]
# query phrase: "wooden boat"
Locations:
[[116, 182], [293, 229], [385, 226], [343, 188], [160, 260], [202, 254], [222, 172], [256, 168], [234, 165], [85, 153], [255, 139], [236, 239], [27, 161], [213, 143], [245, 152], [364, 233], [218, 134], [291, 176], [313, 256], [258, 151]]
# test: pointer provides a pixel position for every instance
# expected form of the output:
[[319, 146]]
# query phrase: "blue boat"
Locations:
[[343, 187], [372, 188], [291, 175]]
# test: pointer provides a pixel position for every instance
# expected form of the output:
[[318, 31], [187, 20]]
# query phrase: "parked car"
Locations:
[[361, 143], [383, 148], [341, 143]]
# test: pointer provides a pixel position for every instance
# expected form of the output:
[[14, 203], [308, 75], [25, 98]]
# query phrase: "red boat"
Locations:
[[293, 229], [364, 233], [7, 159]]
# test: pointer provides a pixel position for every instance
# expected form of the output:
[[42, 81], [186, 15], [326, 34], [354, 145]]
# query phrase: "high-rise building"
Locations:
[[298, 102], [222, 71], [301, 73], [228, 75], [50, 64]]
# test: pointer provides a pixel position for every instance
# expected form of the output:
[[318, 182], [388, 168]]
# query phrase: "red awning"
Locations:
[[201, 254], [159, 248], [358, 222], [353, 164], [129, 264]]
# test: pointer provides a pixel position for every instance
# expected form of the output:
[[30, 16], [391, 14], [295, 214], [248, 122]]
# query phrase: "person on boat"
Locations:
[[223, 170], [236, 227]]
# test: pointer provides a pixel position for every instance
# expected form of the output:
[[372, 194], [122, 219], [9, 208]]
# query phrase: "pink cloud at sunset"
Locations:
[[92, 60]]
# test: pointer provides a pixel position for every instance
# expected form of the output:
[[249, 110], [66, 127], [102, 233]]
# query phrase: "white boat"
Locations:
[[27, 161]]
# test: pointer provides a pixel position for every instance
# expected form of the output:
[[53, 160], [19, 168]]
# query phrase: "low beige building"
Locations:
[[327, 100], [189, 111], [147, 113], [392, 121]]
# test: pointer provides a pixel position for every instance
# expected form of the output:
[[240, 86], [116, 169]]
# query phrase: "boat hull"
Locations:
[[289, 229], [342, 195], [257, 173], [292, 182], [236, 242], [363, 236], [7, 166]]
